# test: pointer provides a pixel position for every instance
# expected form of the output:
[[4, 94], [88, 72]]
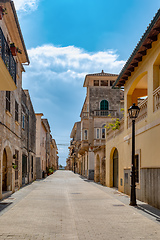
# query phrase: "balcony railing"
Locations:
[[85, 115], [7, 57], [142, 113], [105, 113], [156, 97]]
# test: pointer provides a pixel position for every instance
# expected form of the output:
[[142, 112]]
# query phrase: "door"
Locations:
[[115, 168], [4, 171], [24, 169]]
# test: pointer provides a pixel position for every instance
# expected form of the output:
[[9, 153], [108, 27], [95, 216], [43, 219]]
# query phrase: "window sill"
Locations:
[[17, 123], [8, 113]]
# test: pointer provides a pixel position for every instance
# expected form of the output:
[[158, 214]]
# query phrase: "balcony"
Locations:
[[83, 146], [156, 99], [142, 113], [85, 115], [99, 142], [105, 113], [7, 66]]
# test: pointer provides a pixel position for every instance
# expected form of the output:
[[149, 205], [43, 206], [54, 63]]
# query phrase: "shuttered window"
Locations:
[[16, 111], [8, 101]]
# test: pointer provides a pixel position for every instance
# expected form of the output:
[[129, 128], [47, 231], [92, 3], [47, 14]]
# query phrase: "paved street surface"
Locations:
[[67, 206]]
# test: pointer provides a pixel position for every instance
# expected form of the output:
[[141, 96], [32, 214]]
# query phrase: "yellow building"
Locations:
[[10, 32], [141, 79]]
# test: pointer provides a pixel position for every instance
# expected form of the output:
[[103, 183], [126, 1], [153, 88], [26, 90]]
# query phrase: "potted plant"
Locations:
[[14, 49], [14, 166], [2, 12]]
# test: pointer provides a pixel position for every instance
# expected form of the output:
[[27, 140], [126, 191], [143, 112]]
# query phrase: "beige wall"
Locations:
[[141, 82]]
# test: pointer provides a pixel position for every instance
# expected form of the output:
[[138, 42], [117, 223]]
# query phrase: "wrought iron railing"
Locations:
[[7, 57]]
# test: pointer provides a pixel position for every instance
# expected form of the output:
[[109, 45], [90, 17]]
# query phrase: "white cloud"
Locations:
[[70, 64], [25, 5]]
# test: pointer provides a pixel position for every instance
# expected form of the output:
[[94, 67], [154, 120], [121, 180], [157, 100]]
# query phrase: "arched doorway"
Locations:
[[115, 168], [4, 171]]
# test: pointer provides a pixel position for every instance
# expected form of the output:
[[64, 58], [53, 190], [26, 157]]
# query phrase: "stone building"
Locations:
[[53, 161], [42, 145], [141, 79], [10, 102], [28, 139], [73, 160], [101, 106]]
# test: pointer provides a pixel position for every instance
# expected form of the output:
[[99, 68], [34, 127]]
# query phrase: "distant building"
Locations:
[[42, 145], [101, 106], [53, 162], [73, 159], [28, 139]]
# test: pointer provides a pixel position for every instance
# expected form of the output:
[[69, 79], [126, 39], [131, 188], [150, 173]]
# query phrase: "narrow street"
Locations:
[[67, 206]]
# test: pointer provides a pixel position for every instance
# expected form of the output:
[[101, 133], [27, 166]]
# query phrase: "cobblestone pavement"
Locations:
[[67, 206]]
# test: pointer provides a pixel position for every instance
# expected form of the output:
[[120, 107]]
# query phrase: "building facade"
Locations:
[[28, 139], [10, 102], [42, 146], [101, 107], [73, 162], [53, 161], [141, 79]]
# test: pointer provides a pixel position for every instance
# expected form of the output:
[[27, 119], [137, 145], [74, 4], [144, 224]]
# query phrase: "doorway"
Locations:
[[4, 171], [115, 168]]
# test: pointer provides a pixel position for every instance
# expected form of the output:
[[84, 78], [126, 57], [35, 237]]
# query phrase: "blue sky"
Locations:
[[67, 39]]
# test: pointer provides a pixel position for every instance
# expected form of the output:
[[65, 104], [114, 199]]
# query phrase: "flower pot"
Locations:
[[1, 13], [13, 51]]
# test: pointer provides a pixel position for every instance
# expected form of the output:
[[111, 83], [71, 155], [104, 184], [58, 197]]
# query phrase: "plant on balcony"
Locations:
[[14, 49], [115, 125], [14, 166], [2, 12]]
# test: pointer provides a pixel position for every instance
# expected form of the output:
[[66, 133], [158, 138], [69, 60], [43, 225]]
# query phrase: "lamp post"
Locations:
[[133, 114]]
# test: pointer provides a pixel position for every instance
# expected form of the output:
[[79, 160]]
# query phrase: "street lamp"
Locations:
[[133, 114]]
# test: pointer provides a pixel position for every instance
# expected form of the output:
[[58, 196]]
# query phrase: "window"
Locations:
[[137, 168], [97, 133], [8, 100], [16, 111], [96, 82], [103, 131], [16, 169], [112, 82], [85, 135], [23, 121], [104, 105], [104, 83]]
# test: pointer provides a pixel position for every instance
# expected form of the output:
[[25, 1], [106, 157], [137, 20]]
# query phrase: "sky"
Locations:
[[67, 39]]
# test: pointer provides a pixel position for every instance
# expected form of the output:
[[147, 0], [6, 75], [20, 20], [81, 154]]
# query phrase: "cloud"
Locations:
[[26, 5], [70, 64]]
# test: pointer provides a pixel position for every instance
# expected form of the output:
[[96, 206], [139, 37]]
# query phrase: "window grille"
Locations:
[[96, 82], [16, 111], [8, 101], [16, 169], [104, 83]]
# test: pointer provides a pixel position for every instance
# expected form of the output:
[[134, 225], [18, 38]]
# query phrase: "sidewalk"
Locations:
[[66, 206]]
